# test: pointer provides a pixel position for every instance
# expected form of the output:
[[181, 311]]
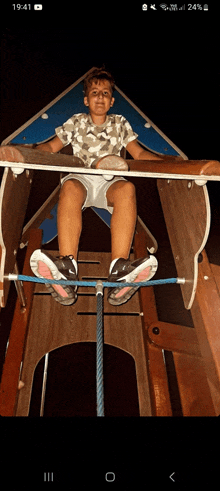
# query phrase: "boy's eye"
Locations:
[[95, 92]]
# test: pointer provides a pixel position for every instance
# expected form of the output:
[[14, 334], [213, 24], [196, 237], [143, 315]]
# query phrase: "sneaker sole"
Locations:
[[43, 267], [122, 295]]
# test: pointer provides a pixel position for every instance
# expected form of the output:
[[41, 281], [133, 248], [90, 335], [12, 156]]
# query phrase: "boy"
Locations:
[[93, 136]]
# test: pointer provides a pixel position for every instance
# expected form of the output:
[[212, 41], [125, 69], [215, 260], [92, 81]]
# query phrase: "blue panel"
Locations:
[[49, 226], [43, 129]]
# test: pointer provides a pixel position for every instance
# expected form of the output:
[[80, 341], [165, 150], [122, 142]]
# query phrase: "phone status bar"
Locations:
[[175, 6]]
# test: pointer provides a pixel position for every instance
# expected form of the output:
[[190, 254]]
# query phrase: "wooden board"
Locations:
[[186, 211], [206, 318], [14, 194], [173, 337], [27, 155], [193, 386], [199, 170], [53, 325], [18, 332]]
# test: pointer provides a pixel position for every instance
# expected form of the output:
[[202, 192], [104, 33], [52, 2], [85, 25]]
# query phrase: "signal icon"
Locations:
[[164, 6]]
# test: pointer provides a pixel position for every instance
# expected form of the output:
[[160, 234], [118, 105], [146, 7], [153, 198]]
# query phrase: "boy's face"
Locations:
[[99, 98]]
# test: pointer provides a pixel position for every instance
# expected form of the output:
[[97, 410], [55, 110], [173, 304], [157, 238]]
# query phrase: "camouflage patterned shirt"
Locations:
[[90, 141]]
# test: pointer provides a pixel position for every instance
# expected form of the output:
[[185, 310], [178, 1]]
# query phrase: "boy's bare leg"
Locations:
[[122, 196], [69, 217]]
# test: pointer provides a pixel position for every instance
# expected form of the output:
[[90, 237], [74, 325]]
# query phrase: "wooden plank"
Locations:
[[160, 397], [193, 386], [206, 318], [22, 154], [14, 356], [194, 390], [144, 172], [216, 273], [14, 194], [187, 215], [173, 337], [36, 159], [47, 332], [158, 383], [172, 166]]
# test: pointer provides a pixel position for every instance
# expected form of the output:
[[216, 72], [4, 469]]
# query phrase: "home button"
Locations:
[[110, 476]]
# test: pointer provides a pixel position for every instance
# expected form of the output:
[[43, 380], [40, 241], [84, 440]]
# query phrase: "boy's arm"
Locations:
[[53, 146], [138, 153]]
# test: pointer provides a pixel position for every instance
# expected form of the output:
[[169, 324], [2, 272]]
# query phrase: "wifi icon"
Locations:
[[164, 6]]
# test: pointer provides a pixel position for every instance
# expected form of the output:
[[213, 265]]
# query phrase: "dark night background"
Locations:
[[166, 63]]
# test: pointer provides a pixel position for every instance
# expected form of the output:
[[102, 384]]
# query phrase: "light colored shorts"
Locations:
[[96, 187]]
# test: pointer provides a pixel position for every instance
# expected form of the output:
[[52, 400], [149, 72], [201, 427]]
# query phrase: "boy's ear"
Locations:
[[86, 101], [112, 101]]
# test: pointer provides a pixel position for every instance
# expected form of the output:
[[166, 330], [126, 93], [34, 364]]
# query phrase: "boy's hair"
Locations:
[[94, 76]]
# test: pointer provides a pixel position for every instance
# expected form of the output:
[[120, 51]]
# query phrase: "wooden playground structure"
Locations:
[[37, 326]]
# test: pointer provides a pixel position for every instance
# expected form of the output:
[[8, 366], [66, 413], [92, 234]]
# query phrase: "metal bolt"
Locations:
[[156, 330]]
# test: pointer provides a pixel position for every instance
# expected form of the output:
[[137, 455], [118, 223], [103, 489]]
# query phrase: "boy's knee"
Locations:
[[128, 190], [120, 191], [69, 185], [73, 188], [72, 185], [131, 187]]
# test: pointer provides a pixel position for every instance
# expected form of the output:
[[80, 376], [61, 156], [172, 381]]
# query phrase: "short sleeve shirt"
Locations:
[[90, 141]]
